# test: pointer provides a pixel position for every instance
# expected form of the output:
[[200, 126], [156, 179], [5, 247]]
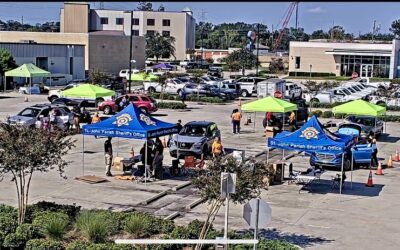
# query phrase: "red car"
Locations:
[[142, 101]]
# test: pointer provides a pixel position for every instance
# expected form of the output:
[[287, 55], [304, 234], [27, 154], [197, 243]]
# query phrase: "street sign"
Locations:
[[250, 213], [228, 184]]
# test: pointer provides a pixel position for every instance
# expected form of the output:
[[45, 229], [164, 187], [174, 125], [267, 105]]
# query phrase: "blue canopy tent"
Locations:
[[130, 123], [312, 137]]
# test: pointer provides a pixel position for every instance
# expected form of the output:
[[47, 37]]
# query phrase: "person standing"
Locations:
[[236, 117], [292, 119], [108, 155], [96, 118], [182, 95], [77, 118], [179, 125], [217, 148], [374, 155]]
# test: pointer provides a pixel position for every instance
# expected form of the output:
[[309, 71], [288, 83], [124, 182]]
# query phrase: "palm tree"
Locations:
[[159, 46]]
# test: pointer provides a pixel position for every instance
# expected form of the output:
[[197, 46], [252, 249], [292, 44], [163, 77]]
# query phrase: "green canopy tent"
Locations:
[[27, 70], [144, 77], [88, 91], [360, 107], [269, 104]]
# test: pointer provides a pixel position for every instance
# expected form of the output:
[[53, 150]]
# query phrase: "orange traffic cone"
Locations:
[[369, 182], [379, 169], [390, 162]]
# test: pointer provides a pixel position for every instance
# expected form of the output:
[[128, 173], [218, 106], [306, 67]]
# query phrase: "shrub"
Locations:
[[114, 220], [8, 223], [167, 226], [51, 224], [71, 210], [196, 71], [171, 105], [339, 116], [136, 225], [13, 240], [327, 114], [276, 245], [317, 113], [84, 245], [5, 209], [43, 244], [28, 231], [313, 74], [93, 226]]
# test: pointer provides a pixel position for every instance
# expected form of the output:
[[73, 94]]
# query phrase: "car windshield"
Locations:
[[193, 130], [29, 112], [177, 81]]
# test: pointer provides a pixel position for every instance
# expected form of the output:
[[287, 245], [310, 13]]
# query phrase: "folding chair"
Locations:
[[292, 174], [336, 181]]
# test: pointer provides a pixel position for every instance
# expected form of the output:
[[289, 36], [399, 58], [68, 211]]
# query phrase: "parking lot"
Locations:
[[361, 218]]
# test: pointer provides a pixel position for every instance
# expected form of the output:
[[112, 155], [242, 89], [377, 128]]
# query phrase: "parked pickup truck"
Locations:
[[360, 153], [334, 95], [248, 85], [171, 86], [393, 100], [365, 81], [293, 91]]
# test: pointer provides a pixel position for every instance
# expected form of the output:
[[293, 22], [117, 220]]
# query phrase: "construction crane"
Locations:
[[289, 12]]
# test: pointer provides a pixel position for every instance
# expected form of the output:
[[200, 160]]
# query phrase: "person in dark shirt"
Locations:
[[179, 124], [108, 154]]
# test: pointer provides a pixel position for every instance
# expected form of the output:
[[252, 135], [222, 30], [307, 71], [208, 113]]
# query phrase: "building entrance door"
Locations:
[[367, 70]]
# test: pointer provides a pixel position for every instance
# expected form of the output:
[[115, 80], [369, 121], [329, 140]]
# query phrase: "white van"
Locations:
[[57, 79], [270, 87], [124, 73]]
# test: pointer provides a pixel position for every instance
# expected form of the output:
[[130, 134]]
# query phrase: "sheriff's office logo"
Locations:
[[309, 133], [147, 120], [123, 120]]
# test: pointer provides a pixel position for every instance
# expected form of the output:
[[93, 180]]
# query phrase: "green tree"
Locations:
[[145, 6], [248, 185], [319, 34], [395, 27], [276, 65], [161, 8], [24, 151], [7, 61], [337, 33], [96, 76], [191, 53], [160, 46], [243, 58]]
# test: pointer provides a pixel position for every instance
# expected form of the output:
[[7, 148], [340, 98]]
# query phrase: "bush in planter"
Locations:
[[317, 113], [71, 210], [339, 116], [43, 244], [136, 225], [8, 223], [28, 232], [13, 241], [167, 226], [51, 224], [171, 105], [93, 226], [84, 245], [327, 114]]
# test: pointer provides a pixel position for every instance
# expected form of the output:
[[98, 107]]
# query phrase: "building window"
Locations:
[[103, 20], [151, 32], [119, 21], [166, 33], [135, 32], [150, 22], [166, 22], [371, 66], [297, 62], [135, 21]]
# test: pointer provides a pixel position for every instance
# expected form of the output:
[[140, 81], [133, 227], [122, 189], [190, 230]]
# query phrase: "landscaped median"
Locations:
[[190, 98], [50, 226]]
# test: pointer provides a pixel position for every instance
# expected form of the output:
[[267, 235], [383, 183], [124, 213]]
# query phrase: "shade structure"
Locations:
[[310, 138], [359, 107], [163, 66], [130, 123], [144, 77], [269, 104], [27, 70], [88, 91]]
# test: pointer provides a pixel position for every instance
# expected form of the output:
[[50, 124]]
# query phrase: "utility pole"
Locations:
[[202, 18], [22, 20], [297, 20], [130, 52], [258, 46], [373, 31]]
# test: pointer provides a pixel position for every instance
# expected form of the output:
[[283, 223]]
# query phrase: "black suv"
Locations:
[[214, 71]]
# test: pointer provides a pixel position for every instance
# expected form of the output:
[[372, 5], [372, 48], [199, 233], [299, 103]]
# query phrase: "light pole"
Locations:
[[258, 46], [130, 51], [310, 72]]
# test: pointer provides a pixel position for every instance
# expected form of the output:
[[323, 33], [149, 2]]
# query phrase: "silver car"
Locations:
[[368, 124], [30, 115]]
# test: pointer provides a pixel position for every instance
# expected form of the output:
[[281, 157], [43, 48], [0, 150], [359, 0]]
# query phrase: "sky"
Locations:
[[355, 17]]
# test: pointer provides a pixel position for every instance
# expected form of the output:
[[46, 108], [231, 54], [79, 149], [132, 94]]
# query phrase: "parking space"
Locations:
[[362, 217]]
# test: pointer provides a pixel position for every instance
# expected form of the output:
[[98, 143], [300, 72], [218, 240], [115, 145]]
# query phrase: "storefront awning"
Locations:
[[346, 52]]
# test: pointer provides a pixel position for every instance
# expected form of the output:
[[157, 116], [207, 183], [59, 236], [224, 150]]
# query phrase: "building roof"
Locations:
[[107, 33], [50, 44], [342, 45]]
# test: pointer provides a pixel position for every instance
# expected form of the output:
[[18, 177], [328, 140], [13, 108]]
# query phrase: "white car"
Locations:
[[345, 94], [171, 86], [292, 91], [354, 92], [366, 81], [125, 72], [393, 100], [209, 80], [248, 85], [57, 93]]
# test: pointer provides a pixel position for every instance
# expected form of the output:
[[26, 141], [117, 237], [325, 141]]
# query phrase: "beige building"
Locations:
[[79, 18], [343, 58], [106, 51]]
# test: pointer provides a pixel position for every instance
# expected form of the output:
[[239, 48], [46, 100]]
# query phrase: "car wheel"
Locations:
[[244, 93], [151, 90], [53, 98], [314, 100], [107, 110], [179, 92], [347, 165], [144, 110]]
